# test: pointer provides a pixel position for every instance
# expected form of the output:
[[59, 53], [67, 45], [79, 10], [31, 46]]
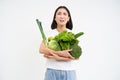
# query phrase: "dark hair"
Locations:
[[69, 24]]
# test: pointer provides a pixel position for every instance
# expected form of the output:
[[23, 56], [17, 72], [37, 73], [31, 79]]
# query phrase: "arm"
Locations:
[[45, 50], [60, 55], [57, 55], [58, 58]]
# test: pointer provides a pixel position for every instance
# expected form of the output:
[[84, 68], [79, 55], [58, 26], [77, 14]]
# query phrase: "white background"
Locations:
[[20, 37]]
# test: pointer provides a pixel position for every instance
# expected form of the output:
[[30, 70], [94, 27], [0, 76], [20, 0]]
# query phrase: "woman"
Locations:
[[60, 64]]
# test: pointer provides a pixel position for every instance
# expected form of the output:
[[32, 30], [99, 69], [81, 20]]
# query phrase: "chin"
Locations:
[[62, 24]]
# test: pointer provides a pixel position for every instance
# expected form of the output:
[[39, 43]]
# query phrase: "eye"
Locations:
[[59, 13], [65, 14]]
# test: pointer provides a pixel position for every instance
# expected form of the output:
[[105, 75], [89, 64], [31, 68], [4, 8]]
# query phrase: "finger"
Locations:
[[69, 50], [66, 59], [51, 53], [49, 57], [46, 56], [71, 57]]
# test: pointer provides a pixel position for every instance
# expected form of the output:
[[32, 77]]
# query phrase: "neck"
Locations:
[[61, 28]]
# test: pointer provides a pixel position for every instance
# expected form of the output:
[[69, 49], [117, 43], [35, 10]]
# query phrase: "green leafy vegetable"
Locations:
[[68, 40], [53, 44], [63, 41], [76, 51]]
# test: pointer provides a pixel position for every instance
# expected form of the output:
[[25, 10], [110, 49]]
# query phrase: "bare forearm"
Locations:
[[57, 55], [45, 50]]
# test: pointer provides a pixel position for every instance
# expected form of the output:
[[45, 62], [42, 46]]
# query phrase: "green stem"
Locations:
[[42, 32]]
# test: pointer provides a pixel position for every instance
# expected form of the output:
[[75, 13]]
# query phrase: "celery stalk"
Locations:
[[79, 34], [42, 32]]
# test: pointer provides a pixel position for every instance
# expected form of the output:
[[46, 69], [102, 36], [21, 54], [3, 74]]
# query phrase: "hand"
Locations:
[[65, 53], [58, 55], [58, 58]]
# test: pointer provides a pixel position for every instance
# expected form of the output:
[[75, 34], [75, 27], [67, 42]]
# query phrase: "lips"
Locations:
[[61, 20]]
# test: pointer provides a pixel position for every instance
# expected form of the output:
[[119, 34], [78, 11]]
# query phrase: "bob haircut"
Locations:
[[69, 24]]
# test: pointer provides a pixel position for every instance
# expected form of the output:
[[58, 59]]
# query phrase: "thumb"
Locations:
[[69, 50]]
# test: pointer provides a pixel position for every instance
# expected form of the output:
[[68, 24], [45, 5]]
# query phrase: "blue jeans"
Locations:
[[52, 74]]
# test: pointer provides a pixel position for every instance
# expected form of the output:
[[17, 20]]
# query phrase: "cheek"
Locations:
[[56, 18], [67, 18]]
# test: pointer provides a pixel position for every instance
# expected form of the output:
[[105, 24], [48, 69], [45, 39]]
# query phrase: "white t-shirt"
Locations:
[[60, 65]]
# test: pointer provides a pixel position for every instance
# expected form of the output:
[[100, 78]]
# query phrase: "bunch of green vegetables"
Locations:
[[63, 41]]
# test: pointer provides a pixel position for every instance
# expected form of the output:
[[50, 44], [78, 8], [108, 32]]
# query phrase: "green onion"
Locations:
[[42, 32]]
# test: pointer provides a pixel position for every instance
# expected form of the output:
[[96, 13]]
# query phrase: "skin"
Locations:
[[61, 19]]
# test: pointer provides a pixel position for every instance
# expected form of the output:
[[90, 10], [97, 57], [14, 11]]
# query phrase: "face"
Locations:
[[62, 17]]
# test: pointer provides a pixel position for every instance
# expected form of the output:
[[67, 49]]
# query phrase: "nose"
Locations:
[[61, 16]]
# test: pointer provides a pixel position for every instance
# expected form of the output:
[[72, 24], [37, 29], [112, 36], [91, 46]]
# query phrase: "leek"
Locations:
[[42, 32]]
